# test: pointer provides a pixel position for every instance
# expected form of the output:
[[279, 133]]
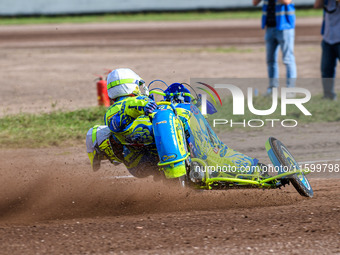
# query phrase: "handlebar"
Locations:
[[164, 103], [169, 104], [172, 94]]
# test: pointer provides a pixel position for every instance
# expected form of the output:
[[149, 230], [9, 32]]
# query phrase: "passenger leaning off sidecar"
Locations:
[[101, 145], [128, 120]]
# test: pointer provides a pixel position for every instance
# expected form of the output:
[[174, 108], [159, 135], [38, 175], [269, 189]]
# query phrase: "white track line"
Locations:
[[304, 162], [118, 177]]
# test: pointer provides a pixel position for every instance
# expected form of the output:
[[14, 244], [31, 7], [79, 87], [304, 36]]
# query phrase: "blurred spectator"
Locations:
[[330, 45], [279, 20]]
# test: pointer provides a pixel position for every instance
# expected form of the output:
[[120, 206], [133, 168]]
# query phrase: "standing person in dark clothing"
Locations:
[[279, 20], [330, 45]]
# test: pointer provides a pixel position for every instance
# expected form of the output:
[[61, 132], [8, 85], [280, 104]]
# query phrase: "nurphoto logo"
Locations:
[[239, 100]]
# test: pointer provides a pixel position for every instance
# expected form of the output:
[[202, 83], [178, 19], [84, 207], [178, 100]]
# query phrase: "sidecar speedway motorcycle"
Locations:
[[190, 152]]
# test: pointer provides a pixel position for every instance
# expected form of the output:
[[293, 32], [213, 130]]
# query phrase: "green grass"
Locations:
[[142, 17], [322, 111], [70, 128], [54, 129]]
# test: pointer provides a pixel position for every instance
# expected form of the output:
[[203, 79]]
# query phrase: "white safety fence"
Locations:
[[57, 7]]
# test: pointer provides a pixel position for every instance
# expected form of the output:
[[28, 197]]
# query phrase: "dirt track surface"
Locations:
[[165, 221], [52, 203], [195, 33], [49, 67]]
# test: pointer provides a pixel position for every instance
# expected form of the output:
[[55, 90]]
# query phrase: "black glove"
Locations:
[[150, 107]]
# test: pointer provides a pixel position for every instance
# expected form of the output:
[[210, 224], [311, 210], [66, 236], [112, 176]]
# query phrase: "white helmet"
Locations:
[[122, 82]]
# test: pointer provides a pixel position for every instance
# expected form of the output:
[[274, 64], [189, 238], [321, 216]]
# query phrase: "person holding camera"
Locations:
[[279, 20], [330, 45]]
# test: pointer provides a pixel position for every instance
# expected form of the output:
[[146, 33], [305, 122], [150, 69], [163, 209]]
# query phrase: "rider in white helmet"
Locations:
[[123, 87], [123, 82], [128, 119]]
